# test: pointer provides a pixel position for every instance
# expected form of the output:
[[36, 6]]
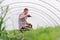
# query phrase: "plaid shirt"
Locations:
[[22, 21]]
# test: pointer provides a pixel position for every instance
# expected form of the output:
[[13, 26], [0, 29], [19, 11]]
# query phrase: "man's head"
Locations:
[[26, 10]]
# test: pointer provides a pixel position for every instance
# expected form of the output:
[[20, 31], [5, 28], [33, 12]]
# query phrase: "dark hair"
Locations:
[[26, 9]]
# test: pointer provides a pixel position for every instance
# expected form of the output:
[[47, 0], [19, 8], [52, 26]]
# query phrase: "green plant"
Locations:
[[2, 28], [48, 33]]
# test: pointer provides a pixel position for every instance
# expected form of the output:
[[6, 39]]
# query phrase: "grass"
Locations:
[[49, 33]]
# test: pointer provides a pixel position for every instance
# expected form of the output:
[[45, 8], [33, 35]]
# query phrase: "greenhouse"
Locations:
[[45, 19]]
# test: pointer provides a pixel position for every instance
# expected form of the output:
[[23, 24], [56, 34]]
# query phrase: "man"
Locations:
[[22, 20]]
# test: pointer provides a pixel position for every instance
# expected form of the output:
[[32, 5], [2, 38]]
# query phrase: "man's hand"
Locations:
[[30, 25]]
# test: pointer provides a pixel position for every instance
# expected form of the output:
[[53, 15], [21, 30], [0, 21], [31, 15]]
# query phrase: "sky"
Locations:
[[44, 12]]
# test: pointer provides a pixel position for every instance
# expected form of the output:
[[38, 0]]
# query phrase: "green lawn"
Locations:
[[48, 33]]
